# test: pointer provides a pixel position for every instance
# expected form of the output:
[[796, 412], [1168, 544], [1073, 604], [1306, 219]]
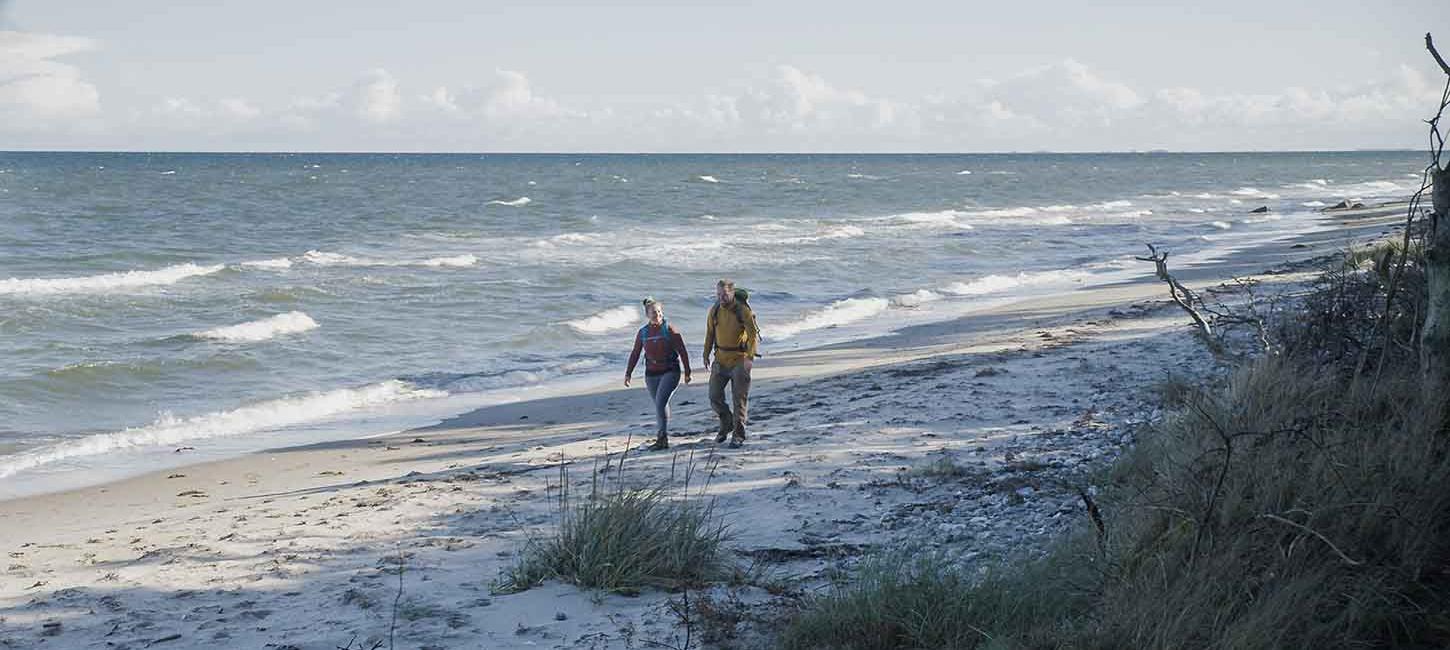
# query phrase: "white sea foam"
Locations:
[[916, 298], [168, 172], [1313, 204], [607, 321], [965, 172], [291, 322], [278, 263], [706, 178], [320, 258], [1221, 225], [329, 259], [109, 282], [1254, 192], [454, 261], [169, 430], [516, 203], [994, 283], [867, 177], [840, 312], [944, 219]]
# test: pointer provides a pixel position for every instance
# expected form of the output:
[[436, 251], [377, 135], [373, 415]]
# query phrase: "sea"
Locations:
[[159, 309]]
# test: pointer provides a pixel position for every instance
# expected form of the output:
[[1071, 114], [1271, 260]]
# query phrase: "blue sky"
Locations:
[[450, 75]]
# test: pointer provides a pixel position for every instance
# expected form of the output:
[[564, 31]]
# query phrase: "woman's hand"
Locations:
[[626, 381], [687, 378]]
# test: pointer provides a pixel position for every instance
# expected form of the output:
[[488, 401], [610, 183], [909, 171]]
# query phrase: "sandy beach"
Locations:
[[307, 547]]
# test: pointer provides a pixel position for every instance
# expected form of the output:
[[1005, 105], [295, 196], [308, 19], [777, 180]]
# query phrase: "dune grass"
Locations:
[[625, 539], [1299, 504]]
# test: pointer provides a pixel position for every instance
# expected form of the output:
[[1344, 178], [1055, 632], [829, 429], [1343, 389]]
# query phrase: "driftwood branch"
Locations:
[[1430, 45], [1182, 297]]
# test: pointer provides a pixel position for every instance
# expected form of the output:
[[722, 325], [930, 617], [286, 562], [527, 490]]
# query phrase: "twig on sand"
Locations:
[[393, 626]]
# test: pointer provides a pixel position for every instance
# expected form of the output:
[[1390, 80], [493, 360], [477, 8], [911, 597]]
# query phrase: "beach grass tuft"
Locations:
[[625, 539]]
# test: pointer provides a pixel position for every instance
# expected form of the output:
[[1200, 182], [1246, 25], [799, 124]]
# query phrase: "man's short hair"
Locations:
[[726, 282]]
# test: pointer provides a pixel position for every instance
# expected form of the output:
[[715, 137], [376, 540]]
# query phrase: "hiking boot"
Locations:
[[736, 441], [720, 437], [658, 445]]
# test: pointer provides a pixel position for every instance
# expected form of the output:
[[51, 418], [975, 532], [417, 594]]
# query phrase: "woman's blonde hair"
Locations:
[[650, 301]]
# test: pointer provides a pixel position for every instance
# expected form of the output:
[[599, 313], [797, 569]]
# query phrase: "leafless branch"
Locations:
[[1347, 560], [1430, 45]]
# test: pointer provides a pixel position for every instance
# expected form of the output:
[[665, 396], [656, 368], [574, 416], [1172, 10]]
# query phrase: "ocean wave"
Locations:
[[1221, 225], [706, 178], [916, 298], [965, 172], [278, 263], [867, 177], [320, 258], [169, 430], [607, 321], [995, 283], [291, 322], [837, 313], [1254, 192], [516, 203], [942, 219], [108, 282], [1313, 204], [454, 261]]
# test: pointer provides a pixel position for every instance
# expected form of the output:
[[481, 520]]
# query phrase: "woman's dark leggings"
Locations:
[[661, 388]]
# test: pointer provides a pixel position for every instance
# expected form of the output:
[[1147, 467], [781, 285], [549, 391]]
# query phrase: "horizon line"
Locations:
[[707, 153]]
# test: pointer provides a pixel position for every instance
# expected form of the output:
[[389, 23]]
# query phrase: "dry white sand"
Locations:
[[305, 547]]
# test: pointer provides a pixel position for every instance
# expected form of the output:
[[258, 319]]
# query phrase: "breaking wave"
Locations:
[[291, 322], [106, 283], [262, 416], [606, 321], [516, 203], [837, 313]]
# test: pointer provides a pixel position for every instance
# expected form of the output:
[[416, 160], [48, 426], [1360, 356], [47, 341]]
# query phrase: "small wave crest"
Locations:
[[916, 298], [606, 321], [320, 258], [706, 178], [454, 261], [276, 264], [291, 322], [837, 313], [106, 283], [995, 283], [262, 416], [515, 203]]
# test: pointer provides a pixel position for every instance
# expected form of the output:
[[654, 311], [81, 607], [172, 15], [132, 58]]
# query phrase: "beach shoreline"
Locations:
[[306, 545]]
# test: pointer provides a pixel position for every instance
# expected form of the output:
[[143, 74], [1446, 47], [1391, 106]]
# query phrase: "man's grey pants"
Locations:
[[739, 379], [661, 388]]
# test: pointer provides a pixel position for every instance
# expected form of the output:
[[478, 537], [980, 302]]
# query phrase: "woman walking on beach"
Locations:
[[664, 352]]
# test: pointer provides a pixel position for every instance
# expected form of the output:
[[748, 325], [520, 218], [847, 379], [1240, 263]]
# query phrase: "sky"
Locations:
[[728, 76]]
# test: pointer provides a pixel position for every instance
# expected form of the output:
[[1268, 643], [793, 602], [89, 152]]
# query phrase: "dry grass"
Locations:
[[1301, 504], [626, 539]]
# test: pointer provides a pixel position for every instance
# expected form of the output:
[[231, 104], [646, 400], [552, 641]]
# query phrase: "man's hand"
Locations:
[[687, 378], [626, 381]]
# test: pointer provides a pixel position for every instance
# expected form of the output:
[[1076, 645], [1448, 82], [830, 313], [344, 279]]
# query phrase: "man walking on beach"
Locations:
[[730, 332]]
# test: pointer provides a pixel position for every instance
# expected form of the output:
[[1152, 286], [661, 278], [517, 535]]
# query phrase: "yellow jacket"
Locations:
[[728, 336]]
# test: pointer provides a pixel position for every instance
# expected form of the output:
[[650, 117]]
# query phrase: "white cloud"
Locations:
[[508, 97], [1062, 106], [37, 92], [377, 99]]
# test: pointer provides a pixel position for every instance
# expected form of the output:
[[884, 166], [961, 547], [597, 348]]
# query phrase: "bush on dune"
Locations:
[[1301, 504]]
